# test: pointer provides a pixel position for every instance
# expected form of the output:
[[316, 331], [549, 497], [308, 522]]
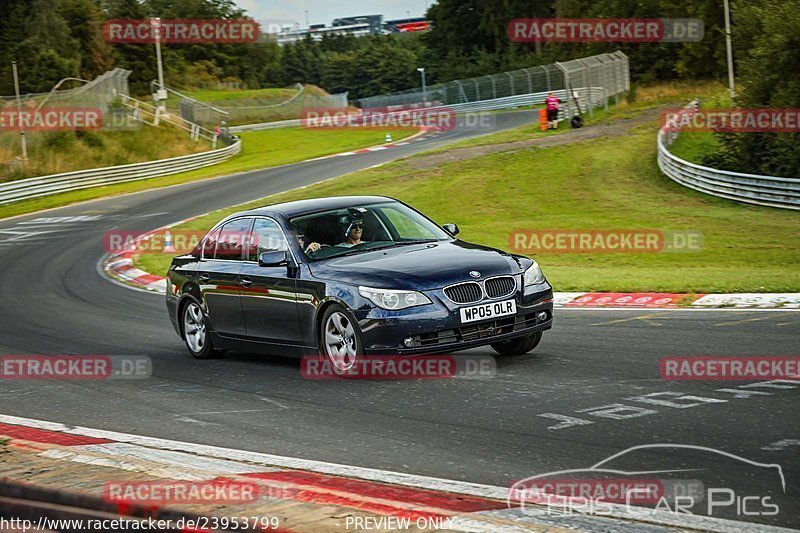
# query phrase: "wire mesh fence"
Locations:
[[596, 78], [106, 97], [102, 94], [284, 105]]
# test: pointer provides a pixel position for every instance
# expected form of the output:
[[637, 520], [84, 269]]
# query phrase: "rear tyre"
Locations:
[[519, 346], [195, 333], [340, 339]]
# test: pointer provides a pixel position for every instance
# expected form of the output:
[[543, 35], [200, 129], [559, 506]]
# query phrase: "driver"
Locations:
[[352, 235]]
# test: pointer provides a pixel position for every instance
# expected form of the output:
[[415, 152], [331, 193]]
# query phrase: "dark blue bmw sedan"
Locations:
[[350, 277]]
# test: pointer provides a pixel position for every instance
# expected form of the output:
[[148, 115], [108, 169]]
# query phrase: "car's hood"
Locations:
[[419, 266]]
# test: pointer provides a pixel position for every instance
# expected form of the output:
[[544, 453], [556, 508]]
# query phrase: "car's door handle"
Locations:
[[205, 277], [246, 282]]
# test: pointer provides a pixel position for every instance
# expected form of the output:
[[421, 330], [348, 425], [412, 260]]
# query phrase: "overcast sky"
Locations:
[[324, 11]]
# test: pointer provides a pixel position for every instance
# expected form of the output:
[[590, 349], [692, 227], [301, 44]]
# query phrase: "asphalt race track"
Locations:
[[587, 392]]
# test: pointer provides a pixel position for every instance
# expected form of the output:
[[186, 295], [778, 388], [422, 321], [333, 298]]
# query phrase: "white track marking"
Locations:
[[781, 444]]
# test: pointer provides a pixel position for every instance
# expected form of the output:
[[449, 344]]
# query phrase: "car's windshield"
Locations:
[[356, 229]]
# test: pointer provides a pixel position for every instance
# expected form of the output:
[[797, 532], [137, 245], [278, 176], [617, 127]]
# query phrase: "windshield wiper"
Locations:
[[362, 250], [386, 247]]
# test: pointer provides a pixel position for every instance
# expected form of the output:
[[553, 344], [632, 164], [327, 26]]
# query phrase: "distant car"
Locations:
[[290, 279]]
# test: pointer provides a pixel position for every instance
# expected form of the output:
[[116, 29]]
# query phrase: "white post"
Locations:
[[424, 88], [729, 47], [19, 113], [156, 24]]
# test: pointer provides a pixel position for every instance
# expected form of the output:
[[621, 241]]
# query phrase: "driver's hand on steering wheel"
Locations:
[[313, 247]]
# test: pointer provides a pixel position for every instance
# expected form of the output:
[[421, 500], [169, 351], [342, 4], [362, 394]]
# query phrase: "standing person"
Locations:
[[552, 103]]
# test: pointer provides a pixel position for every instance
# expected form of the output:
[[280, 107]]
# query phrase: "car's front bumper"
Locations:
[[437, 328]]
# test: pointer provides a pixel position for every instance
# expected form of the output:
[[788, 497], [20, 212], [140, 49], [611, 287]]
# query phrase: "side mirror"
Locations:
[[452, 229], [273, 259]]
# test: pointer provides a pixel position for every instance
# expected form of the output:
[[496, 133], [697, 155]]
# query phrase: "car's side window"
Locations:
[[210, 244], [231, 239], [266, 237]]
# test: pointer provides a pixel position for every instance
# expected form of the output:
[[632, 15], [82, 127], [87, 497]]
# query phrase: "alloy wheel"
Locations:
[[194, 327], [340, 342]]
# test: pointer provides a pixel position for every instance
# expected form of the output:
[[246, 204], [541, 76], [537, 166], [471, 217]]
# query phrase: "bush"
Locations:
[[58, 140], [90, 139]]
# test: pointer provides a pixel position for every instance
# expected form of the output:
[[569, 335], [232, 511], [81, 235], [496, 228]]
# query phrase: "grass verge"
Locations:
[[54, 152], [694, 146], [612, 183], [260, 149]]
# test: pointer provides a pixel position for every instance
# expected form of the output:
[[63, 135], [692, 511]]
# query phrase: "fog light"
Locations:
[[408, 342], [542, 316]]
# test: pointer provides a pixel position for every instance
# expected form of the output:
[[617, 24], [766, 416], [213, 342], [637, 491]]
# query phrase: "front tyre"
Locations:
[[519, 346], [340, 339], [195, 333]]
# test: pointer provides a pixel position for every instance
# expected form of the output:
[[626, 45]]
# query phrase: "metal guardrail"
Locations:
[[598, 95], [265, 126], [150, 114], [525, 100], [26, 189], [770, 191]]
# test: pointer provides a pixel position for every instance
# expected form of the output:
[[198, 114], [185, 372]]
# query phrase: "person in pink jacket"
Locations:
[[552, 103]]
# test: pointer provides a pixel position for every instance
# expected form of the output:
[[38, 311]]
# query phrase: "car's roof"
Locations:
[[300, 207]]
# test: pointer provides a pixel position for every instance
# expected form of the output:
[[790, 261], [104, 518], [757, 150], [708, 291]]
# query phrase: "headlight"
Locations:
[[392, 299], [533, 276]]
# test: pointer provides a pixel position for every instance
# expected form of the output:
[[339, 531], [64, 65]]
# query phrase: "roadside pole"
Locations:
[[161, 93], [729, 47], [19, 113]]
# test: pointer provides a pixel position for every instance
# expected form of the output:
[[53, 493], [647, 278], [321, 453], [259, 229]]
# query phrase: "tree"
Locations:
[[767, 33], [85, 22], [12, 32], [48, 53], [138, 58]]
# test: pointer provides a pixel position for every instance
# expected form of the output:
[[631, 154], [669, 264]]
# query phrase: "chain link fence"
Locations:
[[593, 81], [104, 93], [588, 83], [109, 94], [250, 110]]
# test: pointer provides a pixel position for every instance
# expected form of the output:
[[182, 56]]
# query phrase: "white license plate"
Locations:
[[487, 311]]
